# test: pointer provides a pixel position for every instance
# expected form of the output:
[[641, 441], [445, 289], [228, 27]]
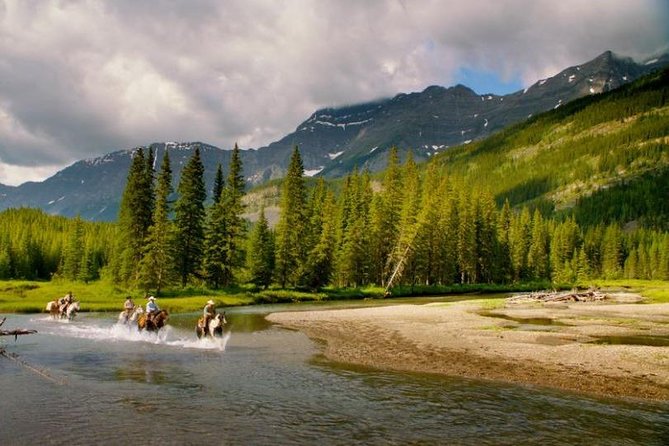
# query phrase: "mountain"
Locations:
[[338, 139], [4, 190], [601, 159], [93, 187], [333, 141]]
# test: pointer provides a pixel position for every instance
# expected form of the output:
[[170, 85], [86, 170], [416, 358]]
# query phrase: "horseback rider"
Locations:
[[128, 306], [151, 308], [64, 301], [209, 312]]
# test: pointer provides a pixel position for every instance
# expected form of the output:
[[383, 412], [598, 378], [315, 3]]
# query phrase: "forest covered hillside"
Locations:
[[602, 159]]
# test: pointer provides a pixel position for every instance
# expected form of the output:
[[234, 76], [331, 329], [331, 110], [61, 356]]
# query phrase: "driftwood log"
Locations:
[[591, 295]]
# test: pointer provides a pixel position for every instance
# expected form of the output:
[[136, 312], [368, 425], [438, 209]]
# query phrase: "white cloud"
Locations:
[[82, 78], [13, 175]]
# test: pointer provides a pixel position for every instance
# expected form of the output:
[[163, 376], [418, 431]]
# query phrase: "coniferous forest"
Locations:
[[579, 193]]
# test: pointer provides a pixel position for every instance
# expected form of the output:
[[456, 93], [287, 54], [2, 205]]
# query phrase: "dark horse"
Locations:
[[156, 323], [215, 327]]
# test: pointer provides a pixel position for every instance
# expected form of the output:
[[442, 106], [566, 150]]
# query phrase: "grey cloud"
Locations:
[[81, 78]]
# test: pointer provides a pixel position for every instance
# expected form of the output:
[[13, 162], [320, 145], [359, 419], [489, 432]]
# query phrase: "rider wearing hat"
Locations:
[[128, 306], [151, 308], [63, 302], [209, 312]]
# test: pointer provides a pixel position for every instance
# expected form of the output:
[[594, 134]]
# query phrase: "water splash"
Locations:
[[118, 332]]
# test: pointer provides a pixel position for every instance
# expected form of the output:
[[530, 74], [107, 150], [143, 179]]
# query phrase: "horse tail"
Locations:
[[50, 305]]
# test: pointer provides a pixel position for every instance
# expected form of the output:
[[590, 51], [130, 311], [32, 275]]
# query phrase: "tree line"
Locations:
[[432, 227]]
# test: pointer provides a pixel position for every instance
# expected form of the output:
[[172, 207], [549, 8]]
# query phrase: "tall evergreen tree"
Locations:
[[612, 257], [224, 236], [537, 256], [157, 266], [260, 253], [189, 218], [292, 227], [218, 184], [74, 251], [135, 216]]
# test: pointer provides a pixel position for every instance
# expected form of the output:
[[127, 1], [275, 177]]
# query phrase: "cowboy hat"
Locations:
[[152, 298], [211, 302]]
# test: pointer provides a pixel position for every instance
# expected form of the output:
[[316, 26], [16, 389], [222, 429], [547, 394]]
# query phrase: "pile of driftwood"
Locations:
[[591, 295]]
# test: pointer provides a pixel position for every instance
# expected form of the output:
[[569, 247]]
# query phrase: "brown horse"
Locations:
[[215, 326], [156, 323]]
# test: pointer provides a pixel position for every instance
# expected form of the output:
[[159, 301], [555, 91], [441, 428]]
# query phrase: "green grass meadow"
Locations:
[[33, 296]]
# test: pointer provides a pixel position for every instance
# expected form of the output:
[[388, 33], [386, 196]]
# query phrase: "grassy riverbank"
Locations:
[[32, 296]]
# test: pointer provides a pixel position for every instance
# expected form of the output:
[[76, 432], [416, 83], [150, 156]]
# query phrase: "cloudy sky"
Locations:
[[82, 78]]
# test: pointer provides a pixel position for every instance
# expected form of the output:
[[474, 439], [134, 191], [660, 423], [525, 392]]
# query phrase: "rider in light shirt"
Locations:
[[209, 312], [128, 306], [152, 308]]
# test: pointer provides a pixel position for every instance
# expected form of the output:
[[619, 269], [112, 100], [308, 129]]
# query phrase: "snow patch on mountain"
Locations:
[[312, 172]]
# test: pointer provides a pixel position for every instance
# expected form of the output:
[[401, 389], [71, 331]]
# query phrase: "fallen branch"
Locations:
[[15, 333]]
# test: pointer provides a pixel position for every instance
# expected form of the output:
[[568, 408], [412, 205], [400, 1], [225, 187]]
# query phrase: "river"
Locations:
[[263, 385]]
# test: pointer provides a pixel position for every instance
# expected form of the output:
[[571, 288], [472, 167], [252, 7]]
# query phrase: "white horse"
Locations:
[[215, 327], [125, 318], [71, 310]]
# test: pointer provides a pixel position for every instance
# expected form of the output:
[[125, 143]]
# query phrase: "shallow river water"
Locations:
[[264, 385]]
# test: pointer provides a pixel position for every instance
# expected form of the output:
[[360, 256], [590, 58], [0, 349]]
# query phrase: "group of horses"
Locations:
[[213, 328], [68, 312], [143, 321]]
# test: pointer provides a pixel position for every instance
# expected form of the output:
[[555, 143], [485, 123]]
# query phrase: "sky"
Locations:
[[79, 79]]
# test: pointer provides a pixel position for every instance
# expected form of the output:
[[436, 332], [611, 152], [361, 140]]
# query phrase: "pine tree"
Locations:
[[486, 237], [612, 253], [384, 220], [74, 251], [428, 242], [134, 216], [218, 184], [466, 237], [408, 229], [537, 256], [520, 234], [215, 255], [225, 228], [260, 253], [157, 266], [351, 258], [505, 268], [290, 251], [320, 262], [189, 218]]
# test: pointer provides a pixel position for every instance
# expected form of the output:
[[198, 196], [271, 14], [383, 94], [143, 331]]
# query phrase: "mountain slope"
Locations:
[[602, 158], [337, 140]]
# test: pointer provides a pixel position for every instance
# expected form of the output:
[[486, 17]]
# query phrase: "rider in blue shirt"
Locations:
[[151, 308]]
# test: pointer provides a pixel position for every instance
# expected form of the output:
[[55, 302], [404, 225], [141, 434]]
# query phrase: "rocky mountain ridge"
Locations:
[[333, 141]]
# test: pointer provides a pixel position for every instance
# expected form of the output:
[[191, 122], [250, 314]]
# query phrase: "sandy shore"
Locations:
[[465, 339]]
